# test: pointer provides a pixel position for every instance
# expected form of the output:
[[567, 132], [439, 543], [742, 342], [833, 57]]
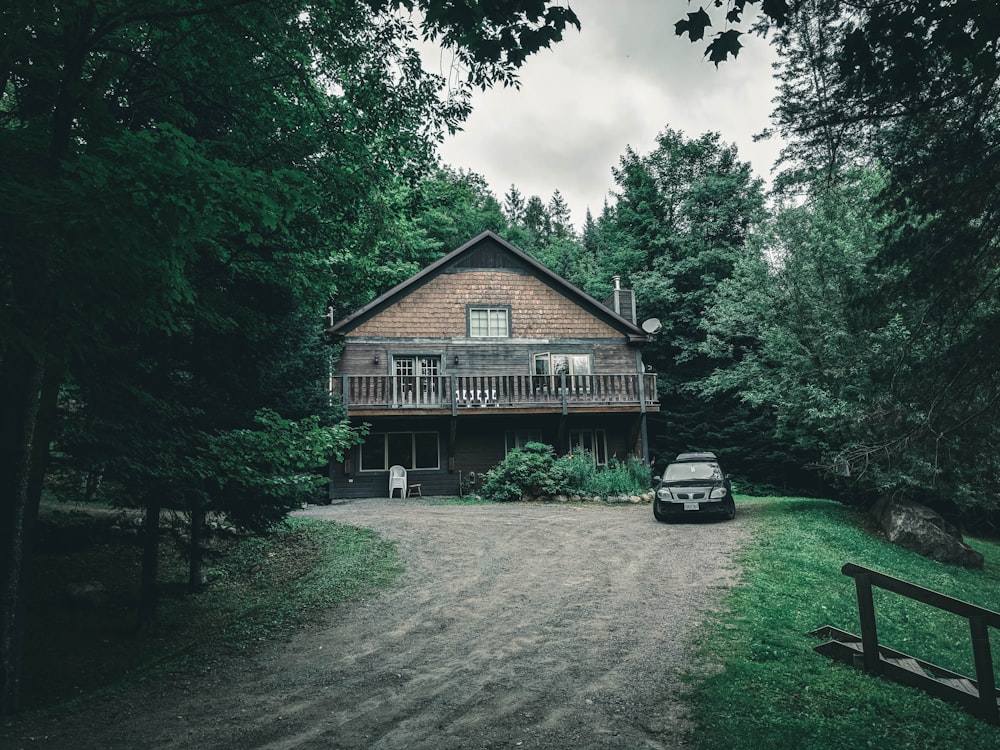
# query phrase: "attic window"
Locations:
[[489, 322]]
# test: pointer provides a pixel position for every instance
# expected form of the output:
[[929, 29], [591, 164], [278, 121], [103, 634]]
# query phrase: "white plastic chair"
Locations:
[[397, 481]]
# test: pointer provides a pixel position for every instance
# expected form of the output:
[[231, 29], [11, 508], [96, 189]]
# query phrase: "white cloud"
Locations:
[[620, 81]]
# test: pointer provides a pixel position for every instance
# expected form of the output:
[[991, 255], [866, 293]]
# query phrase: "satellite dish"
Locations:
[[651, 325]]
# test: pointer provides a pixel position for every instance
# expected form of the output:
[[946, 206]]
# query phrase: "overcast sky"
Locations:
[[619, 81]]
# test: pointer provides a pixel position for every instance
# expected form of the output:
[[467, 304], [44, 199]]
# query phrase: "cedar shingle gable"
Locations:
[[487, 270]]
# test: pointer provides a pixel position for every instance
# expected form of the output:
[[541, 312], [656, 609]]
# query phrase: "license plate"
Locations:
[[692, 506]]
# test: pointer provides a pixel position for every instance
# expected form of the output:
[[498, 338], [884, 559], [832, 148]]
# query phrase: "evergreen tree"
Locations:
[[514, 206], [680, 225]]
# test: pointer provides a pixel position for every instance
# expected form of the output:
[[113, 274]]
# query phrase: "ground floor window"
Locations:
[[594, 442], [411, 450], [520, 438]]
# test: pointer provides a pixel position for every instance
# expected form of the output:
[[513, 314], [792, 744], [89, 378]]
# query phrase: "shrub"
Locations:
[[535, 471], [526, 471], [628, 477], [579, 471]]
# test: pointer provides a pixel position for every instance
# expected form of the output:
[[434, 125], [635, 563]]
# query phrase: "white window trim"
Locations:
[[490, 310]]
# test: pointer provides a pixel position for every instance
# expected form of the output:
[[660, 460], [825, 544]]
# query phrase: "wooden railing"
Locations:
[[978, 696], [469, 391]]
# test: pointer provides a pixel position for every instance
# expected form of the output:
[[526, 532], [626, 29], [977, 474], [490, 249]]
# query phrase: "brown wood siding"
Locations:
[[486, 357], [438, 308], [479, 445]]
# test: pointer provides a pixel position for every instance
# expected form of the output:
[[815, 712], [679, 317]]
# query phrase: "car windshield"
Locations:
[[692, 470]]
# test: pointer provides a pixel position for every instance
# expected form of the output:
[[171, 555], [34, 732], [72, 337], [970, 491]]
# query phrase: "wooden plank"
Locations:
[[921, 594], [960, 684], [983, 659], [906, 662], [866, 612]]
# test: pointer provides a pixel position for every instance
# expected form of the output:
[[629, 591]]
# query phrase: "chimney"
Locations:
[[622, 301]]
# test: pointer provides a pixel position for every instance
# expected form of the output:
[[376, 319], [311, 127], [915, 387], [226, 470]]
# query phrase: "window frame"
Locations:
[[505, 310], [514, 439], [572, 358], [386, 465], [598, 438]]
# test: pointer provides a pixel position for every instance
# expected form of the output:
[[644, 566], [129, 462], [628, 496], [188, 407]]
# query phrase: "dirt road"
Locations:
[[528, 626]]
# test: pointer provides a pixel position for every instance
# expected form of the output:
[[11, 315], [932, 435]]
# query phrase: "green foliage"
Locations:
[[181, 181], [281, 462], [772, 690], [791, 328], [527, 471], [908, 90], [682, 222], [534, 471], [629, 477]]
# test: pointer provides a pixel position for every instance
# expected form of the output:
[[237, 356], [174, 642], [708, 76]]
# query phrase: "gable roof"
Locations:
[[519, 258]]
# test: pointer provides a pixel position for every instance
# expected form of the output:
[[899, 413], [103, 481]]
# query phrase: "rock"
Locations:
[[918, 528], [634, 499]]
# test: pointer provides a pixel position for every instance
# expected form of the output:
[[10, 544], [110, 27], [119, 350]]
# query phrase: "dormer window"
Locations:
[[489, 322]]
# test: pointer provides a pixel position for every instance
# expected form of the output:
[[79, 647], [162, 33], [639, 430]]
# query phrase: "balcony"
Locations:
[[369, 395]]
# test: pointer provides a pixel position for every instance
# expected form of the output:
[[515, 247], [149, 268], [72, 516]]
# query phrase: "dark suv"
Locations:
[[692, 485]]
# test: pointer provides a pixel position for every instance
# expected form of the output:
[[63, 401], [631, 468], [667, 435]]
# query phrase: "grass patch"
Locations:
[[773, 691], [258, 589], [471, 499]]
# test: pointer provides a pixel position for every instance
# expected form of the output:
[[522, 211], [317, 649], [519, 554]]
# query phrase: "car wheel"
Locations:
[[730, 509], [661, 517]]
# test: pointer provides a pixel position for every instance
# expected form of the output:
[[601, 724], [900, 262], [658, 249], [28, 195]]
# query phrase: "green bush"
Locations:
[[534, 471], [526, 471]]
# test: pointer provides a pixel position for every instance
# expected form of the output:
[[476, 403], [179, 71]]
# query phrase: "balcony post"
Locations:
[[642, 384]]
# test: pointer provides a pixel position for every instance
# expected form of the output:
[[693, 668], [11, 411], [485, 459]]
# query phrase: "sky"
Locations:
[[618, 82]]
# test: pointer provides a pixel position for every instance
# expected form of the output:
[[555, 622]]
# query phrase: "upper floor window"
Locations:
[[489, 322]]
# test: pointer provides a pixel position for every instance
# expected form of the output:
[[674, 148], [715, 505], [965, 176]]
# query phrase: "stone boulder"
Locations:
[[916, 527]]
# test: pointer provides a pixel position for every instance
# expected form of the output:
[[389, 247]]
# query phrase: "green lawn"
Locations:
[[773, 691]]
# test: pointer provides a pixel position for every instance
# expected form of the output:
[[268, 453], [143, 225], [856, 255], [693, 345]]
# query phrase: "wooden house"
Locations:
[[481, 352]]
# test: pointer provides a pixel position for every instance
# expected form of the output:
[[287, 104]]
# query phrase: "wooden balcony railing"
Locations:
[[457, 392]]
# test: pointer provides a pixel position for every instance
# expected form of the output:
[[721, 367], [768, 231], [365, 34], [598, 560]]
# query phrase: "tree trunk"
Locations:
[[20, 382], [94, 477], [150, 563], [196, 569]]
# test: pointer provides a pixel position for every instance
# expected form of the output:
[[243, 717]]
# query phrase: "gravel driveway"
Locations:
[[532, 626]]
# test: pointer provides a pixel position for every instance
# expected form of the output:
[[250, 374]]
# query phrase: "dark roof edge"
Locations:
[[635, 333]]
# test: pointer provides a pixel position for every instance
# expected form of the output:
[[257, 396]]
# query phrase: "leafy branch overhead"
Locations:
[[727, 42]]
